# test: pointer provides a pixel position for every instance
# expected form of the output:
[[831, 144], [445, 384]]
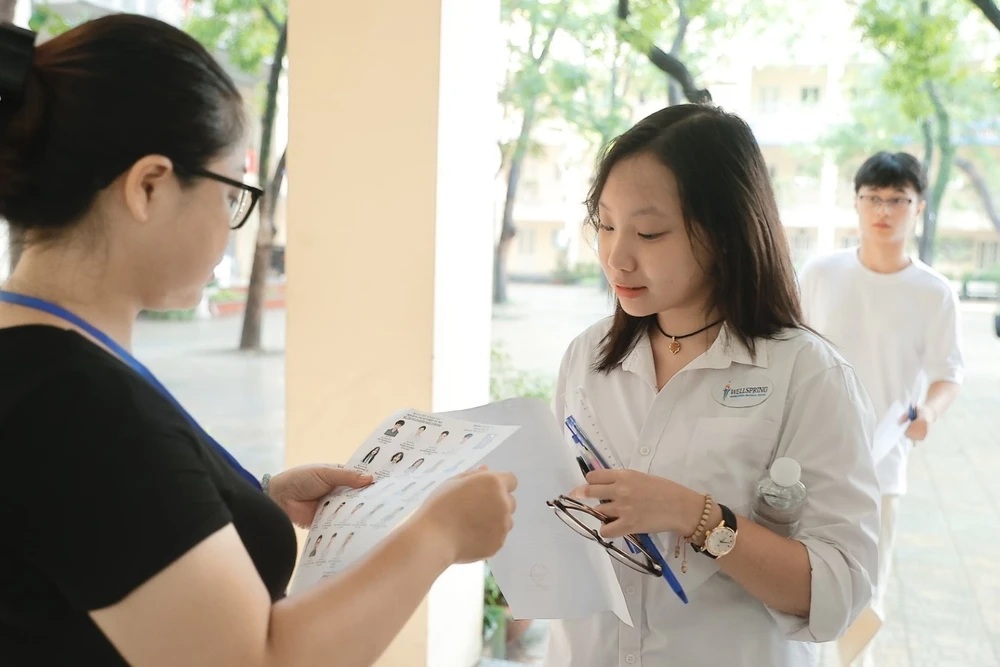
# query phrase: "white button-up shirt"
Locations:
[[715, 428]]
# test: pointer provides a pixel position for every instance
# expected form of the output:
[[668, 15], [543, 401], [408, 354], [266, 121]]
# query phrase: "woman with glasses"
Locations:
[[121, 156], [703, 376]]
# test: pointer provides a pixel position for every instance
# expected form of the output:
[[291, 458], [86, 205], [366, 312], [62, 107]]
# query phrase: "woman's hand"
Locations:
[[642, 503], [299, 490], [471, 514]]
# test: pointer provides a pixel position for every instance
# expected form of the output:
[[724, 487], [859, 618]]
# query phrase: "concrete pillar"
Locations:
[[391, 165]]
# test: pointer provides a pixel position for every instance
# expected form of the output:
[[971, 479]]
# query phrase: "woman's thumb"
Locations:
[[334, 477]]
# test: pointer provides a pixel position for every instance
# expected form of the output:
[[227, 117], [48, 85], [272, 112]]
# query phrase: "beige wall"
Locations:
[[389, 244]]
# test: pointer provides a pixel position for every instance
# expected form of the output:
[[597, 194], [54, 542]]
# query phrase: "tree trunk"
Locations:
[[982, 188], [276, 183], [674, 91], [928, 129], [14, 242], [254, 313], [507, 228], [668, 64], [927, 240], [990, 11]]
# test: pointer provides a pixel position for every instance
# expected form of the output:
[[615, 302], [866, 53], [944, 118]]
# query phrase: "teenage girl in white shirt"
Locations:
[[703, 376]]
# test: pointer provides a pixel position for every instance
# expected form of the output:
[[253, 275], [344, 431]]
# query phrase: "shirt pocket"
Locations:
[[727, 455]]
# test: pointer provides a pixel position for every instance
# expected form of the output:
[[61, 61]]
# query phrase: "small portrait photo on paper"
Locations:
[[316, 545], [394, 430], [487, 439]]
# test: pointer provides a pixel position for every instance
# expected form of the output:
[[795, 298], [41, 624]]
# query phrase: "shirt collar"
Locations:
[[725, 351]]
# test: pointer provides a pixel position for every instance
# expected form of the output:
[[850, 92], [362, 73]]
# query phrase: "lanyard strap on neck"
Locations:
[[127, 358]]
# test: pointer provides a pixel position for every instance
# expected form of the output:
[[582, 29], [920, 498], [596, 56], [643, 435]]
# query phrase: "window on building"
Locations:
[[530, 190], [802, 241], [525, 241], [770, 98], [848, 241], [987, 255], [810, 94]]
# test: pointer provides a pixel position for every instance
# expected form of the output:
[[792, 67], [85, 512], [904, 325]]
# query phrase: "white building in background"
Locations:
[[792, 96]]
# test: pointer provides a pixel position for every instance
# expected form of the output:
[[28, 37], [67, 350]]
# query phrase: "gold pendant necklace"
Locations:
[[675, 345]]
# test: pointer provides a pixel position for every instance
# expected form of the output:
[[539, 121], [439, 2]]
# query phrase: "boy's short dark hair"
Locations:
[[891, 170]]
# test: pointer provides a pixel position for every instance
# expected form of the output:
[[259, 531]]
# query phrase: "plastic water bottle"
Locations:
[[780, 498]]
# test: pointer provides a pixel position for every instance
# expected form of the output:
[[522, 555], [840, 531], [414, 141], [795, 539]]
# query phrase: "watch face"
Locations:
[[720, 541]]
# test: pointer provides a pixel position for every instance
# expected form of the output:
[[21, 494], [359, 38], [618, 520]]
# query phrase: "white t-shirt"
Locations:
[[715, 427], [900, 331]]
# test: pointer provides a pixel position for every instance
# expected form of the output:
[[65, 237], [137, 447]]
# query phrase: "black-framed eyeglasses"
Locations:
[[240, 207], [586, 521], [892, 204]]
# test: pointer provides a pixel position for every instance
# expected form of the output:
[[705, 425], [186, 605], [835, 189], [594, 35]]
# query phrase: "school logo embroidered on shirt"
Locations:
[[742, 394]]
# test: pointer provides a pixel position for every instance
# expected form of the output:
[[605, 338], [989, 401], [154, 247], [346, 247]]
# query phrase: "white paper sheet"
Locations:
[[889, 432], [545, 569], [409, 461]]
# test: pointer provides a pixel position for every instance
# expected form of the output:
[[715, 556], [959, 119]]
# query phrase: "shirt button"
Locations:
[[644, 451], [630, 659], [630, 590]]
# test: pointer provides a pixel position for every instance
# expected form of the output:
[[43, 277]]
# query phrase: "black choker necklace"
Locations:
[[675, 346]]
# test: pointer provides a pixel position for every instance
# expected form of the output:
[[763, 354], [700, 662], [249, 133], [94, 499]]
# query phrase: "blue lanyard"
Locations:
[[123, 354]]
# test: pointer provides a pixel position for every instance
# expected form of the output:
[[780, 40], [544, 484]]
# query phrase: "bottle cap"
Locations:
[[785, 472]]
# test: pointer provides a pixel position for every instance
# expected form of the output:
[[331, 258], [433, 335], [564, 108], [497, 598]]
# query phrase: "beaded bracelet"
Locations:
[[696, 535]]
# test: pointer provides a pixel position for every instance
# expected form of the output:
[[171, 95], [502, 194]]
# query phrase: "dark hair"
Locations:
[[728, 206], [97, 99], [399, 423], [891, 170]]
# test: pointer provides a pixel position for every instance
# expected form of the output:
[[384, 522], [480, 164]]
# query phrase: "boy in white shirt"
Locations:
[[892, 317]]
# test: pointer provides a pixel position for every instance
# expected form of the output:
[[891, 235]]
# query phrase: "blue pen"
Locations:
[[668, 574], [580, 438], [913, 412]]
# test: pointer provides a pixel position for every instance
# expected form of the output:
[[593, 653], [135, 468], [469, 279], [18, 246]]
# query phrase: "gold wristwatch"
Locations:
[[720, 540]]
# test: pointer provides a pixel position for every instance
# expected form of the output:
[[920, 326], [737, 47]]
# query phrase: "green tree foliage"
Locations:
[[247, 31]]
